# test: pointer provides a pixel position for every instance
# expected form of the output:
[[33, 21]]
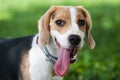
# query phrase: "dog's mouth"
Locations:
[[66, 56]]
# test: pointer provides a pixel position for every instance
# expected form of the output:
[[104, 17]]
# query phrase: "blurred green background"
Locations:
[[19, 18]]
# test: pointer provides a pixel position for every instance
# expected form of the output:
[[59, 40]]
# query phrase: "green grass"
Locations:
[[19, 18]]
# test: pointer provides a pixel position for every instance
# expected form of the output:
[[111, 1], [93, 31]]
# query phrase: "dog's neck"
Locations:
[[39, 58], [50, 49], [53, 49]]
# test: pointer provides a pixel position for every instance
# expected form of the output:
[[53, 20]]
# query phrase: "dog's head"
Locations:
[[67, 26]]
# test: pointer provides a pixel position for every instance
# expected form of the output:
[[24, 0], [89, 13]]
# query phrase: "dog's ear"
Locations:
[[90, 40], [44, 27]]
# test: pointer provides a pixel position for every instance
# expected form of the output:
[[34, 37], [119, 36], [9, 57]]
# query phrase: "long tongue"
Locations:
[[63, 62]]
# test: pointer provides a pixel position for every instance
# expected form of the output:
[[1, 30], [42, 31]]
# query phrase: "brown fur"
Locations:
[[80, 15], [24, 66], [90, 40], [44, 28], [60, 16]]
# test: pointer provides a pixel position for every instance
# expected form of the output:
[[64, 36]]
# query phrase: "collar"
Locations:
[[52, 59]]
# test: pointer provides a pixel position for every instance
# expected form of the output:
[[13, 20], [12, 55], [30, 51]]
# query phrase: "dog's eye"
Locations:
[[60, 23], [81, 22]]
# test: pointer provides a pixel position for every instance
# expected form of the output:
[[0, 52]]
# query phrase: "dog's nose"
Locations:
[[74, 39]]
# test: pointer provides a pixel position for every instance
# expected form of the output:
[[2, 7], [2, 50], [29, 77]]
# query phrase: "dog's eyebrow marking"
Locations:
[[73, 18], [72, 14]]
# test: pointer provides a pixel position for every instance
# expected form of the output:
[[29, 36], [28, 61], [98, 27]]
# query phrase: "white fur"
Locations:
[[40, 69]]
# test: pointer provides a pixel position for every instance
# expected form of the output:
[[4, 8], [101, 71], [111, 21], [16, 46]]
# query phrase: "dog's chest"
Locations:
[[40, 68]]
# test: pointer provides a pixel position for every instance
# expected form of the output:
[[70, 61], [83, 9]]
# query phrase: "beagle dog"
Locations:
[[61, 33]]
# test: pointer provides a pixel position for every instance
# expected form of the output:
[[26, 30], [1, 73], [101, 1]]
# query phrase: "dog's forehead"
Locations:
[[62, 12], [65, 12]]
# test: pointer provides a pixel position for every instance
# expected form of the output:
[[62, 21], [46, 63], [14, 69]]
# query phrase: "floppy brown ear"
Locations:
[[90, 40], [44, 27]]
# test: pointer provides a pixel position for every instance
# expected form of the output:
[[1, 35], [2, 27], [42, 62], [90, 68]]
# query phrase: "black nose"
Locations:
[[74, 39]]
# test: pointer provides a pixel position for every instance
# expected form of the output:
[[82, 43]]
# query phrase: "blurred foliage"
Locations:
[[19, 18]]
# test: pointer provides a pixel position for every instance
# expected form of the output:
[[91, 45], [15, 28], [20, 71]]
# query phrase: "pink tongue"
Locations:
[[62, 63]]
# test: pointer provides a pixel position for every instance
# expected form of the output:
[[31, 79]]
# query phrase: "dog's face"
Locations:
[[67, 26]]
